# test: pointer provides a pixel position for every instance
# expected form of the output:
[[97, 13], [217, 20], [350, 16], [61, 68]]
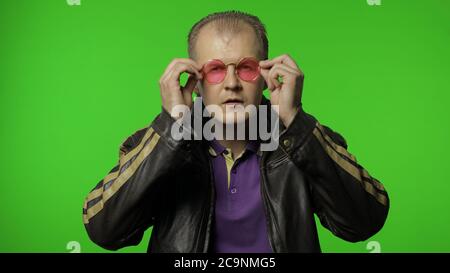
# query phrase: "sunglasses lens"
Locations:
[[248, 70], [215, 71]]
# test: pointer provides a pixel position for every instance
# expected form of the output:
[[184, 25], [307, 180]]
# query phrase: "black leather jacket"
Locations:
[[168, 184]]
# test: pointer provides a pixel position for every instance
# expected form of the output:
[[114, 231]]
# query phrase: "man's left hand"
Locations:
[[287, 92]]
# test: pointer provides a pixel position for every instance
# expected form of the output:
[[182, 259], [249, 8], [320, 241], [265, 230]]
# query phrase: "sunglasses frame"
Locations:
[[236, 65]]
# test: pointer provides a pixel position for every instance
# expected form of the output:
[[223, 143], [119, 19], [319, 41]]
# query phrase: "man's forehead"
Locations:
[[230, 55], [226, 46]]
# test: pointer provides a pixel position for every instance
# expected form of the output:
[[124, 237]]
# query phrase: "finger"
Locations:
[[265, 74], [276, 83], [172, 79], [193, 63], [273, 76], [284, 59], [183, 67], [273, 83], [177, 61], [190, 85], [279, 71], [188, 89], [288, 68], [286, 73], [170, 66], [188, 68]]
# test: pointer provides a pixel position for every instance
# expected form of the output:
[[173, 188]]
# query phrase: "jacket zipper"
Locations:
[[262, 186], [207, 241]]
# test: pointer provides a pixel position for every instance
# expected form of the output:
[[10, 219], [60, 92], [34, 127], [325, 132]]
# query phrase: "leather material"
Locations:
[[172, 189]]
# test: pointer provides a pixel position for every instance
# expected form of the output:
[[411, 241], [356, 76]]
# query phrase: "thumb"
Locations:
[[188, 89]]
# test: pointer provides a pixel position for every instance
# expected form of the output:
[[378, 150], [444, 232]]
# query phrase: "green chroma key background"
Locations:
[[75, 81]]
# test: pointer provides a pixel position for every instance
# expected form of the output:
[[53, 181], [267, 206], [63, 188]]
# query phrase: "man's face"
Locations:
[[229, 48]]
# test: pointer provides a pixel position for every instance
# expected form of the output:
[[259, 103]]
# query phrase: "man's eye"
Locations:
[[246, 67], [216, 69]]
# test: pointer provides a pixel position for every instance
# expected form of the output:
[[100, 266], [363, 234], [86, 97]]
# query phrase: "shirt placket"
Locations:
[[232, 172]]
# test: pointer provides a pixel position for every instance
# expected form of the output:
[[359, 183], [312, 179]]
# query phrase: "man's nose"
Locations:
[[231, 81]]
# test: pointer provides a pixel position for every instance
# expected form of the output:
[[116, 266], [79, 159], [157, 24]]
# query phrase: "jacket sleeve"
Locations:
[[125, 202], [349, 202]]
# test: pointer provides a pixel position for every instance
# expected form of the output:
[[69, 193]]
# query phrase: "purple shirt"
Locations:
[[240, 222]]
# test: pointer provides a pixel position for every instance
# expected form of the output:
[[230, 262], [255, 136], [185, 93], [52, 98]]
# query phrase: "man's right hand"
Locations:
[[172, 93]]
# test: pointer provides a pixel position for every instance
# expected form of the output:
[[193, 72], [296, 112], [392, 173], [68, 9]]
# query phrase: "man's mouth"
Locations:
[[233, 101]]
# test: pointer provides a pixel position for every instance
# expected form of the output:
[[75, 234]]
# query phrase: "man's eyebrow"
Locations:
[[224, 60], [228, 60]]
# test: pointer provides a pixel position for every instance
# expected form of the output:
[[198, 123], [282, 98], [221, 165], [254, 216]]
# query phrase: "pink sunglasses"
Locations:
[[215, 71]]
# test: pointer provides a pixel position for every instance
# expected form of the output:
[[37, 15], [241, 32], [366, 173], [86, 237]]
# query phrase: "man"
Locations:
[[229, 195]]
